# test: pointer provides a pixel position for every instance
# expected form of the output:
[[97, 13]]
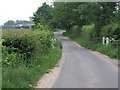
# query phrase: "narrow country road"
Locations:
[[82, 68]]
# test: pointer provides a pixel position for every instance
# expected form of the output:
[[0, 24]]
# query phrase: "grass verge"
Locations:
[[26, 77], [109, 50]]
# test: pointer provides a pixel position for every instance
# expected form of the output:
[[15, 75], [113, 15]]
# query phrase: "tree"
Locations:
[[65, 14], [43, 15], [106, 16], [9, 24], [101, 14]]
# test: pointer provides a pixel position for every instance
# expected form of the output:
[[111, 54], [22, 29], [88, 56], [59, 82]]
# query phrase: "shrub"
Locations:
[[40, 27], [111, 30], [43, 53], [87, 31], [110, 50], [75, 29], [24, 44]]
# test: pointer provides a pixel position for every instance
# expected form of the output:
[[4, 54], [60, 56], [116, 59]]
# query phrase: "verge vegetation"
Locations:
[[89, 22], [85, 39], [27, 55]]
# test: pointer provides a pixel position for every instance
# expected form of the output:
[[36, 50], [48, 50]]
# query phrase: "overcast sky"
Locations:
[[18, 9]]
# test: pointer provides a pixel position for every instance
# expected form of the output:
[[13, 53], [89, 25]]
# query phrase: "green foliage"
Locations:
[[65, 14], [20, 71], [75, 28], [86, 38], [27, 77], [8, 24], [100, 14], [91, 8], [39, 26], [24, 45], [87, 31], [108, 50], [43, 16], [111, 30]]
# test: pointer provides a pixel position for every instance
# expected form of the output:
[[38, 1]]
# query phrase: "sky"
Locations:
[[18, 9]]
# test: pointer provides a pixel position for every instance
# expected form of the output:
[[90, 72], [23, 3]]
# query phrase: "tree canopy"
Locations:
[[43, 15], [66, 15]]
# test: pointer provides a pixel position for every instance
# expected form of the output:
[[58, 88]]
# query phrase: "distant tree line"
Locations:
[[10, 23]]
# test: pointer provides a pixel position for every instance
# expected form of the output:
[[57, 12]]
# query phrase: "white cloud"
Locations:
[[18, 9]]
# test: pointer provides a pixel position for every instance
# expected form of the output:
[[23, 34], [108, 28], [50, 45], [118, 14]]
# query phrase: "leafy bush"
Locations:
[[87, 31], [20, 71], [27, 77], [85, 42], [75, 29], [111, 30], [23, 44], [40, 27]]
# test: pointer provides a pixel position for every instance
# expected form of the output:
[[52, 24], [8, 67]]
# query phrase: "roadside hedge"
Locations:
[[23, 44], [26, 56]]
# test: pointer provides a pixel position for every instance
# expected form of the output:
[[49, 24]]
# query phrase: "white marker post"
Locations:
[[107, 40], [103, 40]]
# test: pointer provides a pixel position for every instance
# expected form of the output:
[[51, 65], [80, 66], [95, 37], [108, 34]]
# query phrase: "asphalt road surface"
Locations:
[[82, 68]]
